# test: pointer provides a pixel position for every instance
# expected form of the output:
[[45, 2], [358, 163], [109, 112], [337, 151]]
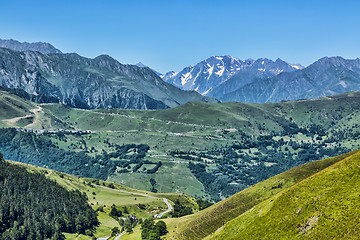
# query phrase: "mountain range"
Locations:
[[211, 151], [221, 74], [327, 76], [81, 82], [263, 80], [47, 75], [45, 48]]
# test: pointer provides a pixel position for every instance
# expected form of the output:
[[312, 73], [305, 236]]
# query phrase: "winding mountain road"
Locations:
[[170, 208], [119, 236], [159, 215]]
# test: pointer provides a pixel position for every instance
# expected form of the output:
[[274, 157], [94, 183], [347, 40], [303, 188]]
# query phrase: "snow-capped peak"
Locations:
[[205, 75], [210, 73], [297, 66]]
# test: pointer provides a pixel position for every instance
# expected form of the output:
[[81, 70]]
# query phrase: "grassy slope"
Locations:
[[99, 196], [321, 111], [323, 206], [198, 118], [208, 221], [13, 106], [17, 112], [192, 116]]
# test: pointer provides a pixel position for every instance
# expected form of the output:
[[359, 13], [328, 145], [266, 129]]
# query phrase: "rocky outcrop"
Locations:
[[80, 82]]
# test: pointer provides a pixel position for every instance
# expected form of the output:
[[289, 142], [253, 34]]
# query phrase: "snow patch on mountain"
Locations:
[[220, 72], [207, 75], [207, 91], [210, 71], [185, 77], [343, 84], [297, 66]]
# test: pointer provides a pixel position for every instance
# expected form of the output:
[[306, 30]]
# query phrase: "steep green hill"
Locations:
[[323, 206], [208, 221]]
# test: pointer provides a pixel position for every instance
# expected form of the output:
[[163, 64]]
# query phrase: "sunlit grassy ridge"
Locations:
[[192, 116], [323, 206], [208, 221]]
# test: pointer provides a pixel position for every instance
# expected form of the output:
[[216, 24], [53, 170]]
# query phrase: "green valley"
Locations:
[[179, 120], [210, 151]]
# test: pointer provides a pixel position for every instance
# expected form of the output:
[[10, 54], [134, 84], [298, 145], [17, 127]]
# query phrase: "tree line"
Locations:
[[34, 207]]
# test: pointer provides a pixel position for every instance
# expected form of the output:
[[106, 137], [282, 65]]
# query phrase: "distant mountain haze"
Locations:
[[45, 48]]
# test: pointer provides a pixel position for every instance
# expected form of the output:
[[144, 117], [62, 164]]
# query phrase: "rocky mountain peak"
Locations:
[[45, 48], [208, 74]]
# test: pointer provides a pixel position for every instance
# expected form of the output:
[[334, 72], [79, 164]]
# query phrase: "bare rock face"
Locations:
[[80, 82]]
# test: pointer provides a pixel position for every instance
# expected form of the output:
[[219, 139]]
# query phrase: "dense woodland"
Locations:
[[181, 210], [254, 159], [223, 170], [34, 207], [151, 230], [38, 150]]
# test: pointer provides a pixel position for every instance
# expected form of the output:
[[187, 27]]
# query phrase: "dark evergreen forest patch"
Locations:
[[34, 207]]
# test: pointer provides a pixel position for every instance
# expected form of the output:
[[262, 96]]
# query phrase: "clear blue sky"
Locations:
[[169, 35]]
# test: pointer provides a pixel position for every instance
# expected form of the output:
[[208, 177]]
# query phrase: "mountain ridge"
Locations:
[[210, 73], [81, 82], [43, 47], [264, 80], [327, 76], [140, 64], [320, 207]]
